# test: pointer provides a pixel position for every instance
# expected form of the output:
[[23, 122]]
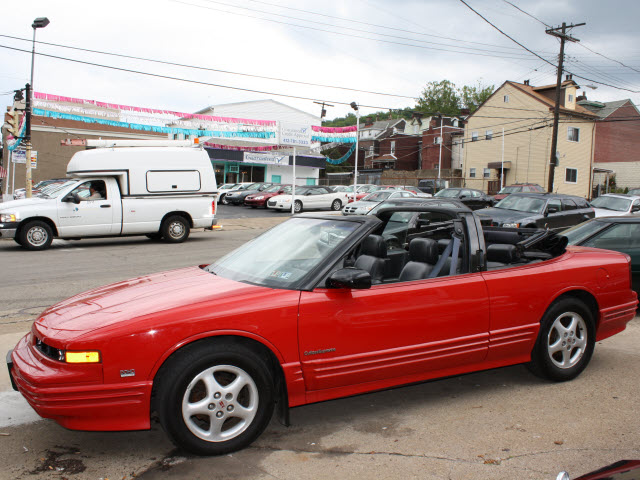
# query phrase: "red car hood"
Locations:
[[138, 297]]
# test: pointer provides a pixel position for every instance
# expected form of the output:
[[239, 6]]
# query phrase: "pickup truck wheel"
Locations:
[[35, 235], [297, 206], [566, 341], [215, 399], [224, 200], [336, 205], [175, 229]]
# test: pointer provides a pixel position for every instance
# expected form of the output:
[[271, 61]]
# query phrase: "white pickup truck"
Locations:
[[160, 192]]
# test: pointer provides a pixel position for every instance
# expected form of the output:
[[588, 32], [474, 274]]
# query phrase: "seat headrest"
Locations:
[[423, 250], [374, 246], [502, 252]]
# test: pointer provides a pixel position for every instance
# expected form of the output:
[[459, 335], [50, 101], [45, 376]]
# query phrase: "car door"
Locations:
[[554, 220], [89, 217], [354, 340], [572, 215]]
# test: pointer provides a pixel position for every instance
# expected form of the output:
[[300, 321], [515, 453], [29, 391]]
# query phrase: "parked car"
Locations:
[[236, 197], [364, 206], [621, 233], [612, 204], [312, 310], [538, 210], [309, 198], [474, 199], [260, 199], [449, 203], [37, 188], [160, 192], [223, 189], [432, 185], [518, 188], [222, 197], [363, 191]]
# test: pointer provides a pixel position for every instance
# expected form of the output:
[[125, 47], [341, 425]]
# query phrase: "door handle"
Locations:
[[105, 206]]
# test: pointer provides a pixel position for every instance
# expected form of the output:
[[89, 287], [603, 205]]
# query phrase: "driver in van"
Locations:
[[94, 193]]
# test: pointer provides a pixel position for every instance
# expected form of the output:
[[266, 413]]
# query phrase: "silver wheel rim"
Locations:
[[567, 340], [176, 229], [336, 205], [220, 403], [225, 201], [37, 236], [297, 207]]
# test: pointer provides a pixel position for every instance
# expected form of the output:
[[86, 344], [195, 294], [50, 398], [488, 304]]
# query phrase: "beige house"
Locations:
[[525, 114]]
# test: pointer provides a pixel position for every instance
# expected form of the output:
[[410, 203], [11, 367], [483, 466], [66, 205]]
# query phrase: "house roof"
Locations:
[[534, 92], [248, 103], [603, 110], [383, 124]]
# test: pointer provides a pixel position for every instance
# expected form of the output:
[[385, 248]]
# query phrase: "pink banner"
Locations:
[[241, 149], [114, 106], [352, 128]]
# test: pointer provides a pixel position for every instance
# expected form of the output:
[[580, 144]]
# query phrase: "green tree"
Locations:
[[439, 97], [473, 97]]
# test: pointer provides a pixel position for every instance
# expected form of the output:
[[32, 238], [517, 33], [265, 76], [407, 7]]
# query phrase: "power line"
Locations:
[[527, 13], [542, 58], [164, 62]]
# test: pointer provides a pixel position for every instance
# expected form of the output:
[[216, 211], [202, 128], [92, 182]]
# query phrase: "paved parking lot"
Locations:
[[501, 424]]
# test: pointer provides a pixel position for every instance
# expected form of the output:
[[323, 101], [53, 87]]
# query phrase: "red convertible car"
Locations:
[[317, 308]]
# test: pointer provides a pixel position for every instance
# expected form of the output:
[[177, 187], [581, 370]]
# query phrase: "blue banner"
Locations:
[[342, 159]]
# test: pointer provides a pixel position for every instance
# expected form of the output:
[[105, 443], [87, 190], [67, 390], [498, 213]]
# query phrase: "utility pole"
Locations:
[[441, 140], [27, 139], [561, 33], [323, 111]]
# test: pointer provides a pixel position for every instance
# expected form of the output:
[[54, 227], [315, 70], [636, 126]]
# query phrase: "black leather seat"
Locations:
[[373, 257], [500, 255], [423, 255]]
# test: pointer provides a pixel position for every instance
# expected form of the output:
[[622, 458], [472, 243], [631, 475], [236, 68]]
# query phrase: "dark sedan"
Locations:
[[621, 234], [538, 210], [236, 197], [474, 199]]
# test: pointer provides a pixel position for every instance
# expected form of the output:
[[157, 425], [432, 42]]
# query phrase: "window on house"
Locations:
[[506, 99], [571, 175], [472, 173], [474, 136], [455, 122], [371, 151], [437, 140], [489, 134], [486, 173], [570, 98], [573, 134], [393, 147]]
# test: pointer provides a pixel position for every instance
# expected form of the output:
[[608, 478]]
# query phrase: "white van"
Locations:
[[160, 192]]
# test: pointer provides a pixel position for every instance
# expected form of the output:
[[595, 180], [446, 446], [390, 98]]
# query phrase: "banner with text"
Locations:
[[295, 135], [266, 158]]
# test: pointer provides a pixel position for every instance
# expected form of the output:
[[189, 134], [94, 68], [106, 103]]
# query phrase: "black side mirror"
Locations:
[[349, 278], [552, 210], [71, 198]]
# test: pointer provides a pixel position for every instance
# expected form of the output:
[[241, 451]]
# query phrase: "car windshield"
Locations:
[[448, 193], [54, 190], [510, 190], [580, 233], [377, 196], [616, 204], [284, 255], [273, 189], [228, 186], [522, 204], [254, 186]]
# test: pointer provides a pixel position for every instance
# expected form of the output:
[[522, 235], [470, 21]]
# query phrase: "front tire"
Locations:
[[224, 200], [566, 341], [336, 205], [297, 206], [215, 398], [175, 229], [35, 235]]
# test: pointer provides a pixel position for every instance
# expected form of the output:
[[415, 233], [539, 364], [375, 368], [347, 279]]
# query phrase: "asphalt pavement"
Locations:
[[499, 424]]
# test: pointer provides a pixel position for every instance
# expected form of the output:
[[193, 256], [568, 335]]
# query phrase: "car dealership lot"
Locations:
[[499, 424]]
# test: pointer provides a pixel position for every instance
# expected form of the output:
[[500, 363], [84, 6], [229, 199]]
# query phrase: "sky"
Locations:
[[378, 53]]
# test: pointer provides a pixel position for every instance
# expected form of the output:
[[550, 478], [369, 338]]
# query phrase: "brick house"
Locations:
[[441, 132], [617, 141]]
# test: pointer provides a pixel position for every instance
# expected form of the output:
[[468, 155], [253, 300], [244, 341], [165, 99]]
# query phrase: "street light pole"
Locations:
[[441, 140], [354, 105], [39, 22]]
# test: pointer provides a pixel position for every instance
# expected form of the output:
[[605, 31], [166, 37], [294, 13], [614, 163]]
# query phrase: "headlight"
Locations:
[[258, 198], [8, 217], [511, 225], [286, 200], [82, 357]]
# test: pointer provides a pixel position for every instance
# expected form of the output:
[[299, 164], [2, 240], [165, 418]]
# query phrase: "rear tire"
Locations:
[[175, 229], [215, 398], [35, 235], [565, 342]]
